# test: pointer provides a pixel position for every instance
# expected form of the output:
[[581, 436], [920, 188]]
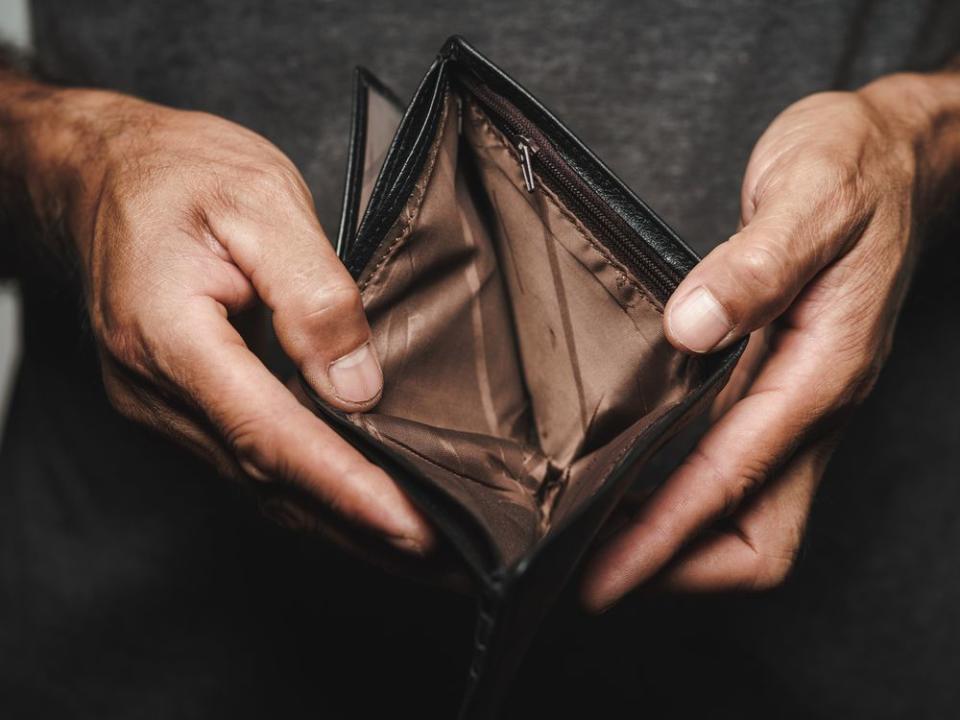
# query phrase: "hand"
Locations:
[[181, 220], [822, 261]]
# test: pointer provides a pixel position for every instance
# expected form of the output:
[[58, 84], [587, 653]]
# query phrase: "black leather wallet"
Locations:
[[515, 290]]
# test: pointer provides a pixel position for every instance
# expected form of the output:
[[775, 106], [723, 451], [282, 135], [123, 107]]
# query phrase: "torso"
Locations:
[[131, 582]]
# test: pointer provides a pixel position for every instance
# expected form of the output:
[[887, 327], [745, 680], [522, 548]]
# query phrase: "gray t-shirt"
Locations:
[[672, 95], [133, 585]]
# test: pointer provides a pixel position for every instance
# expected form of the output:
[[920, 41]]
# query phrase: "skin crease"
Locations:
[[181, 220], [821, 264]]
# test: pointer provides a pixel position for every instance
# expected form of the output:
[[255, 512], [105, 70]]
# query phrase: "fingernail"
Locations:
[[699, 322], [357, 377]]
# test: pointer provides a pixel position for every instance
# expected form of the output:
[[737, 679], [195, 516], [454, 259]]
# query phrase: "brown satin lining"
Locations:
[[520, 359]]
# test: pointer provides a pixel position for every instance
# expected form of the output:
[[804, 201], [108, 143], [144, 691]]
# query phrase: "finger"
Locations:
[[759, 547], [743, 374], [288, 506], [797, 227], [273, 436], [293, 509], [711, 482], [443, 570], [135, 399], [278, 243], [749, 442]]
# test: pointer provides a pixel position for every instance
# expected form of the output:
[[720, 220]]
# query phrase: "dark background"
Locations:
[[868, 626], [134, 586]]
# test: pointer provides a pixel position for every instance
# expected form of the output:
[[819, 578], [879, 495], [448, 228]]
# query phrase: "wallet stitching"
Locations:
[[412, 210], [572, 219]]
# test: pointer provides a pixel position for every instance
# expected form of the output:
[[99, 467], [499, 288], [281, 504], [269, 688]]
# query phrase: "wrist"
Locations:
[[62, 144], [55, 154], [923, 112]]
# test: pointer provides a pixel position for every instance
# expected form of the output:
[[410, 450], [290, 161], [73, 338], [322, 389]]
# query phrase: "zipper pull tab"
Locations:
[[526, 164]]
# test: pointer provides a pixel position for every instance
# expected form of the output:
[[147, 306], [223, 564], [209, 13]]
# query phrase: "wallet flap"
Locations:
[[376, 114]]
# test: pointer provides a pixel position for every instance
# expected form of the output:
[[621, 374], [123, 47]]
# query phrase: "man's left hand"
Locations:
[[818, 272]]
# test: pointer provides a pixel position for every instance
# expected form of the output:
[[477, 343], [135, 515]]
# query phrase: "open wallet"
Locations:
[[515, 290]]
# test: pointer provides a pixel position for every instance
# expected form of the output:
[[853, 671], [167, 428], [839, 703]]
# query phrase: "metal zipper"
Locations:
[[532, 146], [526, 164]]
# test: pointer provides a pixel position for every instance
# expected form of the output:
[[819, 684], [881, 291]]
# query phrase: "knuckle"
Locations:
[[326, 306], [245, 437], [835, 171], [739, 487], [841, 187], [135, 404], [733, 486], [137, 339], [775, 564], [119, 338], [764, 268], [854, 383], [120, 399], [772, 571], [336, 300], [766, 276], [774, 560], [273, 182], [862, 380]]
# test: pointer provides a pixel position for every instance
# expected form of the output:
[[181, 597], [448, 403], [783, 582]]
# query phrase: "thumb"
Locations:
[[317, 309], [751, 279]]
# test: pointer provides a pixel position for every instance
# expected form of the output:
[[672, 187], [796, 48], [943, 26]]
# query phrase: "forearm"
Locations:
[[28, 205], [48, 156]]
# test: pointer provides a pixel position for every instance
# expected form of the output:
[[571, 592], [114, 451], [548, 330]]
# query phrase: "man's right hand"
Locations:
[[179, 221]]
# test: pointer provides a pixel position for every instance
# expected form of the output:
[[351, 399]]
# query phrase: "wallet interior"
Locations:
[[521, 359]]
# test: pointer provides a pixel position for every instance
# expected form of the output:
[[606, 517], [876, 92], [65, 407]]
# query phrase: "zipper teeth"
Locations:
[[635, 259], [624, 246]]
